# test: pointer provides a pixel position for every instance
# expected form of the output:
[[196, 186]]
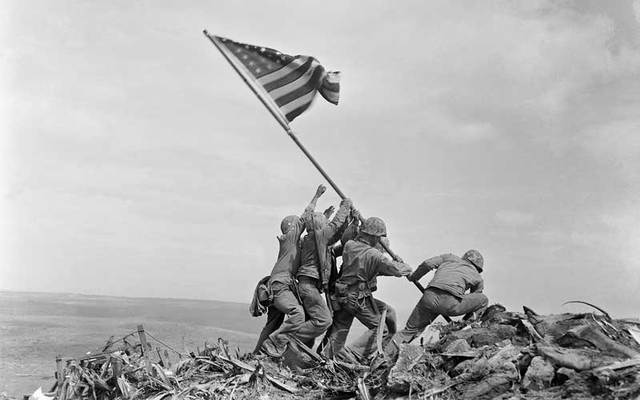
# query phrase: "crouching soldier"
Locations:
[[445, 294], [363, 261], [281, 284]]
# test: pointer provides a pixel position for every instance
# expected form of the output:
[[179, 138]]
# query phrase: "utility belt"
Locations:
[[357, 290]]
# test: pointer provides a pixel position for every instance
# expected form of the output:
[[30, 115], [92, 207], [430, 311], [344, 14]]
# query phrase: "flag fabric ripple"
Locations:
[[291, 81]]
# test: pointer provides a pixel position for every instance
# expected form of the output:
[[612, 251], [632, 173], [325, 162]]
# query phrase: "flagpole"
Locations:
[[278, 116], [285, 125]]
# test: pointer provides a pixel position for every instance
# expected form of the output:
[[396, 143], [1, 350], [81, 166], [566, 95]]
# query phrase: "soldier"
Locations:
[[281, 283], [363, 262], [315, 270], [445, 294]]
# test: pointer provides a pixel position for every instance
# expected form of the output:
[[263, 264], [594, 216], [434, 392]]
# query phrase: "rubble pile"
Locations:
[[502, 354], [525, 355]]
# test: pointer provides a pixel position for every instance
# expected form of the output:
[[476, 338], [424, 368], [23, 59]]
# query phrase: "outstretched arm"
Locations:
[[312, 204], [426, 266], [388, 267]]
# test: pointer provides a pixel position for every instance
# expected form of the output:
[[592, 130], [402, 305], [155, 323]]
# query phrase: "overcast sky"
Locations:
[[135, 162]]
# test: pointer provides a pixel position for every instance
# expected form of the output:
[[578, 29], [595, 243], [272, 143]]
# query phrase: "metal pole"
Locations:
[[285, 125], [276, 114]]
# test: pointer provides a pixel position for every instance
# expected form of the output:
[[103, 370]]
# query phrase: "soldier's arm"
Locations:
[[478, 287], [311, 207], [428, 265], [331, 230], [386, 267], [308, 211]]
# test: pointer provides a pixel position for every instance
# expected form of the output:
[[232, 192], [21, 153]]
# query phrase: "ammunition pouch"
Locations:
[[357, 291]]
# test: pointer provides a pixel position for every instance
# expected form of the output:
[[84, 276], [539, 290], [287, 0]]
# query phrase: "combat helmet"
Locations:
[[374, 226], [475, 258], [287, 222]]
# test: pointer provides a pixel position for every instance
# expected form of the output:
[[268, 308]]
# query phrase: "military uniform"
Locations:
[[282, 287], [445, 294], [362, 264], [315, 270]]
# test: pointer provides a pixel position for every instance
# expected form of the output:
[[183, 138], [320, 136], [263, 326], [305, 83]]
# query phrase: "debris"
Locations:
[[539, 374], [401, 376], [502, 354], [606, 314]]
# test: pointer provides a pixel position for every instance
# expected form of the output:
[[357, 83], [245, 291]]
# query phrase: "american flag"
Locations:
[[290, 81]]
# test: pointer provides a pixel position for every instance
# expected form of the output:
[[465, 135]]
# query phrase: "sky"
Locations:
[[135, 162]]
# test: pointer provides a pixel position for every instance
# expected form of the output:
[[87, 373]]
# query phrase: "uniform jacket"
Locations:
[[288, 260], [312, 260], [362, 264], [453, 274]]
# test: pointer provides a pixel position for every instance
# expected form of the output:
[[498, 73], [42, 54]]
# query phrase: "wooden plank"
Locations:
[[59, 376], [145, 352], [247, 367], [306, 349], [116, 366], [380, 333]]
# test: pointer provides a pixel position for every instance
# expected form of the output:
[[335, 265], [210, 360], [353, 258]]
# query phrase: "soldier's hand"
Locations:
[[385, 243], [320, 191], [329, 211], [425, 267], [356, 214]]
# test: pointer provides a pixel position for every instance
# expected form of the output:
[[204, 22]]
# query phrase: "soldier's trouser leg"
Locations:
[[319, 316], [274, 320], [422, 315], [368, 311], [287, 303], [338, 332], [469, 303], [435, 302]]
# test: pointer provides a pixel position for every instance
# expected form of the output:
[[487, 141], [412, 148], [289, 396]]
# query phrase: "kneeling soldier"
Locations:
[[445, 294]]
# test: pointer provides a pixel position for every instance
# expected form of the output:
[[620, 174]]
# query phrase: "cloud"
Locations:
[[514, 218], [616, 143], [636, 10]]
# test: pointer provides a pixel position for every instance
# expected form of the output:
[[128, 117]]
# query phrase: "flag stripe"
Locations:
[[300, 101], [286, 84], [294, 85], [310, 86], [293, 114], [281, 71], [292, 76], [331, 86]]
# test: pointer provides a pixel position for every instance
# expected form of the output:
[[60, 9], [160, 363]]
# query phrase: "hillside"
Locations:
[[35, 327]]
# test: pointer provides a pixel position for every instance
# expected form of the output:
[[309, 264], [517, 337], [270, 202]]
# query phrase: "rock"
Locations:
[[457, 346], [483, 336], [539, 374], [480, 369], [463, 367], [563, 374], [505, 361], [492, 335], [430, 337], [489, 388], [578, 359], [400, 377], [296, 359]]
